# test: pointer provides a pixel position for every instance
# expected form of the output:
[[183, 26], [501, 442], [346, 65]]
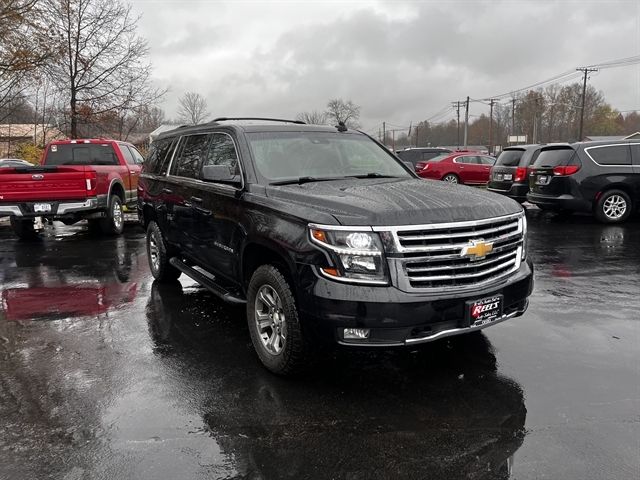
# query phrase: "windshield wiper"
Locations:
[[301, 180], [372, 175]]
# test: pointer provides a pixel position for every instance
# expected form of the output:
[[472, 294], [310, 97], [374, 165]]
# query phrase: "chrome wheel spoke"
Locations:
[[269, 320]]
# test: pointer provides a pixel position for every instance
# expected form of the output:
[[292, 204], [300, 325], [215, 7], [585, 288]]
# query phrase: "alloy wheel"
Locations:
[[614, 207], [270, 320]]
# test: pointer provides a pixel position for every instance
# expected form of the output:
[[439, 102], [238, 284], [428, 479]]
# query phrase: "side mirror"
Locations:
[[217, 173]]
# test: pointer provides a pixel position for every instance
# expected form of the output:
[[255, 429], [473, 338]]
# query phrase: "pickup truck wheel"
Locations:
[[113, 223], [613, 206], [157, 255], [23, 228], [272, 317]]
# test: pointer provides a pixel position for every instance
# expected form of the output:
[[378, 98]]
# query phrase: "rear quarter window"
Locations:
[[159, 156], [610, 154]]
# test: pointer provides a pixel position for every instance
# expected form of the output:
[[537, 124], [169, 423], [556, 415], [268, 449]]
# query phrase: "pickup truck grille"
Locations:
[[458, 255]]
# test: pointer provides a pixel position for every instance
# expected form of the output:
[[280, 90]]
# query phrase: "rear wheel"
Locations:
[[113, 223], [23, 228], [451, 178], [157, 255], [272, 317], [614, 206]]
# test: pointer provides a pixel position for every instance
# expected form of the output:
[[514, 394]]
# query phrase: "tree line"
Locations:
[[545, 115]]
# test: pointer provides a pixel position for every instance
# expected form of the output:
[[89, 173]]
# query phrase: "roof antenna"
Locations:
[[341, 127]]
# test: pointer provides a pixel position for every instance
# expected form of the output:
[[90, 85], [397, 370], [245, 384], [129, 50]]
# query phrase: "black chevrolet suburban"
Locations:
[[326, 237]]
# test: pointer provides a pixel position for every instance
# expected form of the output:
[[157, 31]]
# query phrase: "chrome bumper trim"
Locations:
[[439, 335], [10, 210], [64, 208]]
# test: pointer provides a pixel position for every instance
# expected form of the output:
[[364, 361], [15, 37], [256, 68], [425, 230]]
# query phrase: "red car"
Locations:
[[471, 168]]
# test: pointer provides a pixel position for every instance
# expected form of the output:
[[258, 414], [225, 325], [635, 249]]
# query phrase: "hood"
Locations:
[[380, 202]]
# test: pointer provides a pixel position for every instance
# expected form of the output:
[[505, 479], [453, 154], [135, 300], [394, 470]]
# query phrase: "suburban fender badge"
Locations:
[[477, 250], [37, 176]]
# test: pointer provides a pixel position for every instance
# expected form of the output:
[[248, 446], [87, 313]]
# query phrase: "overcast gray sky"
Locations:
[[401, 61]]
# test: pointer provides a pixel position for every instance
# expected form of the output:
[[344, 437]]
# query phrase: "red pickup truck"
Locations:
[[78, 179]]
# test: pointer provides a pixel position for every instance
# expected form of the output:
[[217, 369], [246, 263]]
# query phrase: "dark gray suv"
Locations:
[[598, 177]]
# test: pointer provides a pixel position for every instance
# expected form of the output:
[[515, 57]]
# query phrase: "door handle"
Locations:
[[167, 190], [203, 211], [196, 199]]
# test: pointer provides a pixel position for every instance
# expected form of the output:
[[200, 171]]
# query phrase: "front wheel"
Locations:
[[23, 228], [113, 223], [451, 178], [613, 206], [272, 317]]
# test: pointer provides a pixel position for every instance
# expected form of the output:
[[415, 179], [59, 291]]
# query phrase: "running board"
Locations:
[[206, 282]]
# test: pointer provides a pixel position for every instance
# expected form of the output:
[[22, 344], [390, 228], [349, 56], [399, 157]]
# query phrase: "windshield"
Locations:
[[289, 155], [81, 154], [554, 157], [510, 158]]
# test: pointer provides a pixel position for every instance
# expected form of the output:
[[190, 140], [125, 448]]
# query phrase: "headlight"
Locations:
[[358, 255], [524, 235]]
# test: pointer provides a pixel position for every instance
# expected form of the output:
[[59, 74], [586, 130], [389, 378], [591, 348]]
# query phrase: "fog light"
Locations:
[[356, 333]]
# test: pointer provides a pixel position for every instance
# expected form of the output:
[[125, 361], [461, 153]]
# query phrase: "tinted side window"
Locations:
[[611, 155], [222, 151], [137, 156], [429, 155], [188, 162], [157, 159], [127, 155], [487, 160]]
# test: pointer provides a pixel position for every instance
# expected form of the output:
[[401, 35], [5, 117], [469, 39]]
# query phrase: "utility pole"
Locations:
[[384, 133], [586, 71], [466, 122], [417, 132], [491, 104], [457, 107], [513, 116], [393, 140]]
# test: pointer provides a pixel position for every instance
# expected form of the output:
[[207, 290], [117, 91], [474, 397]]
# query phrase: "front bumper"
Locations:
[[397, 318], [58, 208]]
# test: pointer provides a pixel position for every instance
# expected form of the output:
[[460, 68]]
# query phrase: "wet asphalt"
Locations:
[[104, 374]]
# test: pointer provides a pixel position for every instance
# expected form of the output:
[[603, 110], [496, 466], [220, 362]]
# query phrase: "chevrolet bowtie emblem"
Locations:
[[477, 250]]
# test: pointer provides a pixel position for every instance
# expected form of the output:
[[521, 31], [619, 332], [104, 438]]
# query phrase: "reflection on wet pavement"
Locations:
[[105, 374]]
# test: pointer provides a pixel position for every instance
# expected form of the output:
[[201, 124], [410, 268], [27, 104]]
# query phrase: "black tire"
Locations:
[[113, 223], [451, 178], [614, 206], [289, 355], [23, 228], [158, 257]]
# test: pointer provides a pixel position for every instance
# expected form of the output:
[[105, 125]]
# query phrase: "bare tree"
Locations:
[[192, 108], [313, 117], [103, 66], [24, 46], [347, 112]]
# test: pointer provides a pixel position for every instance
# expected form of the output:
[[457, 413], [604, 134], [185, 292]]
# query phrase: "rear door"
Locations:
[[180, 190], [504, 170], [134, 167], [546, 176], [486, 163]]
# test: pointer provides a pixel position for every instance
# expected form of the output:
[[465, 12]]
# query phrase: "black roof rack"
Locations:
[[224, 119]]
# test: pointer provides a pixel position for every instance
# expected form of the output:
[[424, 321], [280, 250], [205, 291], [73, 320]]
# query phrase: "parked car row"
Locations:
[[460, 166], [602, 178]]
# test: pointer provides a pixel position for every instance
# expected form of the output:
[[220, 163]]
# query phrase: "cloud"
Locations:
[[401, 61]]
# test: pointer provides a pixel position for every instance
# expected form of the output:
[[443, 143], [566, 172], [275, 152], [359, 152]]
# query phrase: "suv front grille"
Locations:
[[451, 256]]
